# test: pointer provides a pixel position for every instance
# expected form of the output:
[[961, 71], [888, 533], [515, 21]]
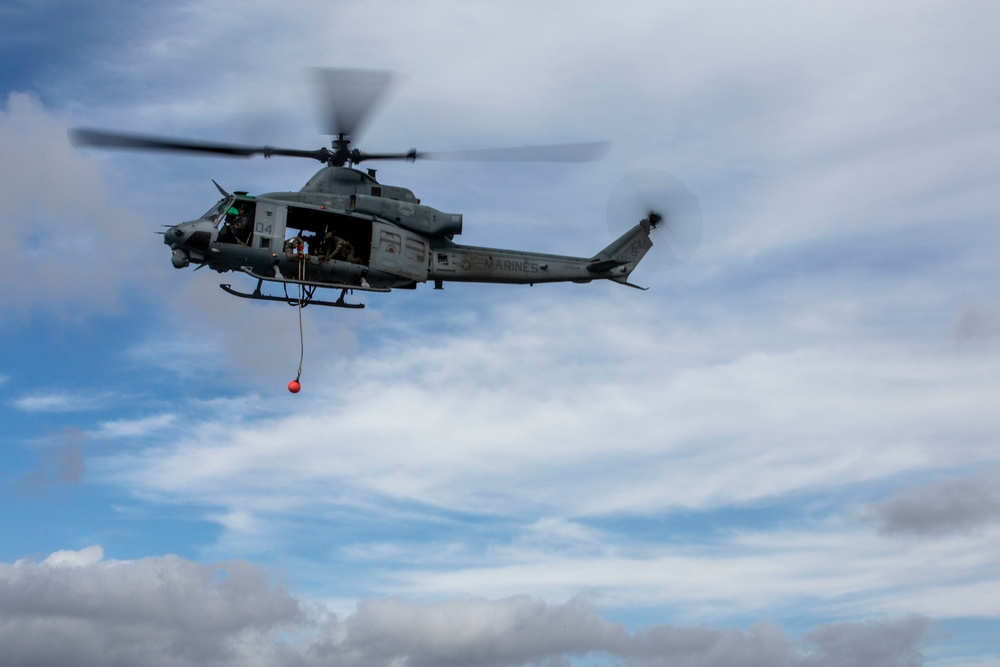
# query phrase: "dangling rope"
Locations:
[[294, 386], [302, 339]]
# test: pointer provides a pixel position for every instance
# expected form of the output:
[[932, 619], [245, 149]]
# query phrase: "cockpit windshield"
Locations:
[[218, 210]]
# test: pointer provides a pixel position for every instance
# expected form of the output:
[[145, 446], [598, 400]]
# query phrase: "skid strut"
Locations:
[[306, 300]]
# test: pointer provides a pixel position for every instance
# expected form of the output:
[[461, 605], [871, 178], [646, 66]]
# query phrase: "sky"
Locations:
[[785, 452]]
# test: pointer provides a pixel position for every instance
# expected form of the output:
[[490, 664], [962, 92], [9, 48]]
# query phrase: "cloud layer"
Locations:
[[649, 430], [76, 607]]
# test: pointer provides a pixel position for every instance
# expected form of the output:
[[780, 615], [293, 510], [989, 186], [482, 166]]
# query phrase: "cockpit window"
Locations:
[[218, 210], [237, 225]]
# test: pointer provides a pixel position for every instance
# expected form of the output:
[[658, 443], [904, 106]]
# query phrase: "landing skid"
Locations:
[[307, 289], [306, 299]]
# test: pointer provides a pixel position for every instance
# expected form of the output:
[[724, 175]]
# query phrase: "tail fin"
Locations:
[[624, 254]]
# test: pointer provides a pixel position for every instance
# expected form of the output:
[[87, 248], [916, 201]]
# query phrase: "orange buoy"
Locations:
[[294, 386]]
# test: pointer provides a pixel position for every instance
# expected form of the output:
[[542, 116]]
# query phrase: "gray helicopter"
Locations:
[[346, 231]]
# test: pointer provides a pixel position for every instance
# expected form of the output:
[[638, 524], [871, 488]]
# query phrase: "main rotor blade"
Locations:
[[90, 137], [360, 156], [348, 97], [578, 152]]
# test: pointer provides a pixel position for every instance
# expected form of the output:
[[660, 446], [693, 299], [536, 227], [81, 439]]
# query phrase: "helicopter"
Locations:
[[345, 231]]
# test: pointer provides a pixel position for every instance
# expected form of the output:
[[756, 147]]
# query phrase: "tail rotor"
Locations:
[[669, 208]]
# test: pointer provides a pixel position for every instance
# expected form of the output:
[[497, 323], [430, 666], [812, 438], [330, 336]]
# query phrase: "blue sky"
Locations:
[[784, 452]]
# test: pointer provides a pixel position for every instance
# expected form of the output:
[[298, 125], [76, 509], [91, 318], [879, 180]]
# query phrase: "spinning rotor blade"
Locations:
[[581, 152], [578, 152], [673, 211], [348, 97], [87, 137]]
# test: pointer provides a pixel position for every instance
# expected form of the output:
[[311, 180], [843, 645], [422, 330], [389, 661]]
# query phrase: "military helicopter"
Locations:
[[346, 231]]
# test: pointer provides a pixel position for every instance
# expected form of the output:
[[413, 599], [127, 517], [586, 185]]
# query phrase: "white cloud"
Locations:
[[61, 401], [635, 418], [556, 415], [77, 607], [74, 250], [132, 428], [832, 570], [68, 558]]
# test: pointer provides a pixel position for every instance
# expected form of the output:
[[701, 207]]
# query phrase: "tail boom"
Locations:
[[451, 262]]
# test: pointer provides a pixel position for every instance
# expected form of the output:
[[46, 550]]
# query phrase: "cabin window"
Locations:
[[415, 250], [390, 242], [265, 241]]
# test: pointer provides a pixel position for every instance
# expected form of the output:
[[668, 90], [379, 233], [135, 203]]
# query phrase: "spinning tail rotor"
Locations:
[[667, 205]]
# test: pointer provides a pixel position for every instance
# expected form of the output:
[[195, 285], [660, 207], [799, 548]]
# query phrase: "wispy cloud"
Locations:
[[719, 421], [133, 428], [62, 401], [830, 570], [515, 418]]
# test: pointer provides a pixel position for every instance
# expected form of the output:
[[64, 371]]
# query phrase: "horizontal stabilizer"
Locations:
[[624, 281], [600, 266]]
